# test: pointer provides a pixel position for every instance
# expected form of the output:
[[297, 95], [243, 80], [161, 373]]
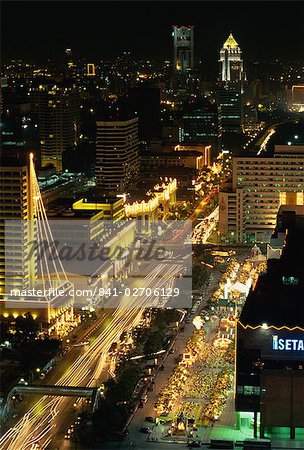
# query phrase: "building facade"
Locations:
[[249, 206], [57, 108], [21, 269], [269, 387], [183, 48], [230, 110], [117, 157], [16, 207], [231, 62], [199, 123]]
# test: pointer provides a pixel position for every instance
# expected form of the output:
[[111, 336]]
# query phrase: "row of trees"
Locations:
[[26, 346], [22, 329], [200, 276], [152, 339], [109, 420]]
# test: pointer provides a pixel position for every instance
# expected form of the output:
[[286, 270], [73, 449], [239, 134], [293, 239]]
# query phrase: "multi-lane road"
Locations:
[[44, 424]]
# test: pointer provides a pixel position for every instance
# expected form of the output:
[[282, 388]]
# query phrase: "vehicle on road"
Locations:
[[194, 444], [150, 419], [82, 344], [145, 430]]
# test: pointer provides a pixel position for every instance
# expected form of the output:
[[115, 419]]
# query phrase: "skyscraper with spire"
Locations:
[[231, 62]]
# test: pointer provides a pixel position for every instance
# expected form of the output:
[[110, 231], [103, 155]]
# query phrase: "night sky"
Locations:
[[38, 30]]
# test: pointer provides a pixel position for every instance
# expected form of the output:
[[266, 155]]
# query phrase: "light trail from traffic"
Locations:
[[36, 429], [203, 230]]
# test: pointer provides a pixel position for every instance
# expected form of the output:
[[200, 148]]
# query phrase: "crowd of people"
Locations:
[[200, 386], [199, 389], [206, 392], [218, 399], [174, 389]]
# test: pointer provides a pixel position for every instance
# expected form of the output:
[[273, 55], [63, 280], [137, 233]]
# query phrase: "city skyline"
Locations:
[[96, 30]]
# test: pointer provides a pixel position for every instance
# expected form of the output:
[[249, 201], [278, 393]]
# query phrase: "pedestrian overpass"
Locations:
[[56, 390], [94, 394]]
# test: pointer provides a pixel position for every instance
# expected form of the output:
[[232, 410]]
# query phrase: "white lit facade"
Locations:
[[249, 206], [231, 62]]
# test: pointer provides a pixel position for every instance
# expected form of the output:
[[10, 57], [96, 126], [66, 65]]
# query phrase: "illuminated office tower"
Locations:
[[117, 158], [231, 62], [17, 209], [260, 185], [199, 122], [230, 110], [183, 42], [57, 108]]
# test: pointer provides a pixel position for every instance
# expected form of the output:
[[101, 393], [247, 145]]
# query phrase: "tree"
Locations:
[[199, 276], [154, 342], [4, 331], [26, 327]]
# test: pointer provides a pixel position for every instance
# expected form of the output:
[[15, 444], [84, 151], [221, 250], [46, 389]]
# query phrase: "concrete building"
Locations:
[[183, 45], [56, 105], [199, 123], [193, 159], [101, 208], [20, 266], [117, 159], [155, 204], [16, 205], [269, 387], [230, 110], [204, 150], [144, 100], [231, 62], [249, 205]]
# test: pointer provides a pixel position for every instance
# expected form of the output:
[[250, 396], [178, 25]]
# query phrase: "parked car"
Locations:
[[150, 419], [145, 430], [194, 444]]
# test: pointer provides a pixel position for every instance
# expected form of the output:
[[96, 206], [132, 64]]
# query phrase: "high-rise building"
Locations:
[[117, 158], [57, 108], [231, 62], [183, 44], [230, 110], [199, 123], [249, 207], [70, 66], [15, 205], [19, 129], [21, 267], [269, 379], [144, 101]]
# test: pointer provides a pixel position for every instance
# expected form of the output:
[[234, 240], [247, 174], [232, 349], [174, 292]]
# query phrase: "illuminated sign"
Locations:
[[287, 344]]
